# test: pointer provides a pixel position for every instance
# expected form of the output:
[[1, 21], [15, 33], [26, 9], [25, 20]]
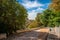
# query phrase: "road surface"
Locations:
[[38, 34], [31, 35]]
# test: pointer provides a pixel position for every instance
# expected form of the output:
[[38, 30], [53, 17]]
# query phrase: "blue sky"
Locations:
[[34, 6]]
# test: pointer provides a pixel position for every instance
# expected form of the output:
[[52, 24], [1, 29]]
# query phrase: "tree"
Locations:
[[46, 18], [12, 16], [55, 5], [33, 24], [51, 16], [39, 19]]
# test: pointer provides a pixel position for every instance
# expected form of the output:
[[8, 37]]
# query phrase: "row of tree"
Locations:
[[49, 17], [12, 16]]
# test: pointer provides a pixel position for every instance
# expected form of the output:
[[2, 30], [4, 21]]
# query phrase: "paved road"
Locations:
[[40, 34], [32, 35]]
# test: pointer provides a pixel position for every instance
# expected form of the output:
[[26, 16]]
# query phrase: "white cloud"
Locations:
[[32, 14], [29, 4], [39, 9]]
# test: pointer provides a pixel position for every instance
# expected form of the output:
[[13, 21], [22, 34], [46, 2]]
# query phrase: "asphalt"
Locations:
[[31, 35]]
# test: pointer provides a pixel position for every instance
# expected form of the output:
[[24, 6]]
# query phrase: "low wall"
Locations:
[[57, 31]]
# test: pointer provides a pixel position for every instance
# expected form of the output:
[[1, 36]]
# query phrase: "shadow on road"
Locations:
[[34, 35], [53, 37]]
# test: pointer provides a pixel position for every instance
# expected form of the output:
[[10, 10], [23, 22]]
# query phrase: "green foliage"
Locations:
[[55, 5], [57, 19], [39, 19], [33, 24], [49, 18], [12, 16]]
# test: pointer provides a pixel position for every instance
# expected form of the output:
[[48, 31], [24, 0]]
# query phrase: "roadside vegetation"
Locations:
[[49, 17], [13, 17]]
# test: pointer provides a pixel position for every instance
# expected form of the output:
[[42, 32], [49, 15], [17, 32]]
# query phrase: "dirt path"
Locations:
[[39, 34]]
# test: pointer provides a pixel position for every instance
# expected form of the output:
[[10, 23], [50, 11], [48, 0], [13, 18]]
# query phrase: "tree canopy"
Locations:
[[12, 16], [51, 16]]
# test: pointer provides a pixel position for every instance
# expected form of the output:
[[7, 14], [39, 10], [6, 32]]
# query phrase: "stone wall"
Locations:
[[57, 31]]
